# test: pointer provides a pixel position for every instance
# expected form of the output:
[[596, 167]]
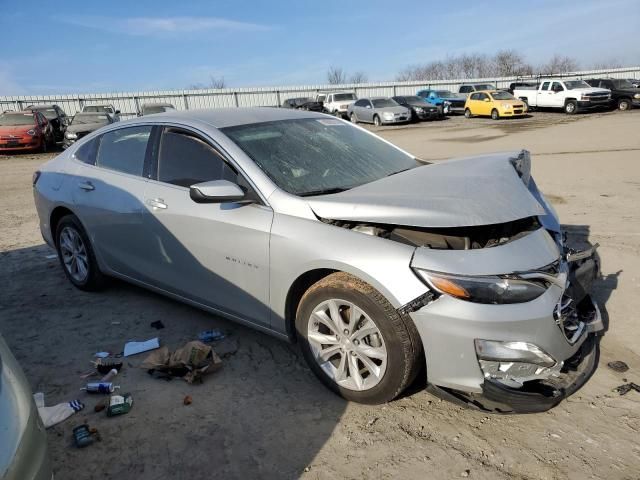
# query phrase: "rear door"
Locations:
[[108, 192], [216, 254]]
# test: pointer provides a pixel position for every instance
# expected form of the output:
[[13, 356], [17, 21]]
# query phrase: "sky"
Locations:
[[80, 46]]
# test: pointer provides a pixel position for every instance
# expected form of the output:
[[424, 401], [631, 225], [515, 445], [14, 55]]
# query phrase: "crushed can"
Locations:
[[100, 387], [82, 436], [119, 404]]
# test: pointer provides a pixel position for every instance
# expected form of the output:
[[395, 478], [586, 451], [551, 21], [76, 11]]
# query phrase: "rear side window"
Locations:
[[124, 150], [86, 153], [184, 160]]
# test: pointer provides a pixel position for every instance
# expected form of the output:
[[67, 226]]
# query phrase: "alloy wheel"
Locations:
[[74, 254], [347, 344]]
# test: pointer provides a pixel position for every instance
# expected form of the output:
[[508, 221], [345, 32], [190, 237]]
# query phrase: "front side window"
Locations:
[[545, 85], [124, 150], [344, 97], [474, 96], [317, 156], [184, 160]]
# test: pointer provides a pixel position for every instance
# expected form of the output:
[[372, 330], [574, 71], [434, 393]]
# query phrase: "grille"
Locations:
[[568, 319]]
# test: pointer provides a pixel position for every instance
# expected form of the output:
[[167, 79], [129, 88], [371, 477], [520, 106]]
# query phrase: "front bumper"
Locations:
[[394, 120], [23, 144], [429, 115], [448, 328], [590, 104]]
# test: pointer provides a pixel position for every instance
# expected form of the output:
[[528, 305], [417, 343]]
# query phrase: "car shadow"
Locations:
[[263, 415]]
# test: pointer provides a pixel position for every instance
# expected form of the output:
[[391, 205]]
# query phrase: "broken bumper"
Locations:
[[561, 328]]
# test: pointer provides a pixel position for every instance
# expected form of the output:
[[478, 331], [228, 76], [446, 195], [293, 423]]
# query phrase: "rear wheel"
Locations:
[[494, 114], [355, 341], [624, 104], [376, 121], [76, 255], [467, 113], [570, 107]]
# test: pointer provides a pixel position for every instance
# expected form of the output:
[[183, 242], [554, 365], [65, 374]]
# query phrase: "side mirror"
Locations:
[[368, 106], [216, 191], [117, 112], [486, 100]]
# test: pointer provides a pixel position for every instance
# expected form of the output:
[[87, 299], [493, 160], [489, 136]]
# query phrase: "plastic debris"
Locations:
[[626, 388], [105, 365], [618, 366], [211, 335], [102, 354], [133, 348], [84, 436], [158, 325], [112, 373], [119, 404]]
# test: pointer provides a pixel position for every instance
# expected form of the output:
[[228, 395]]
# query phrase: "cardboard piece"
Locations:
[[190, 362]]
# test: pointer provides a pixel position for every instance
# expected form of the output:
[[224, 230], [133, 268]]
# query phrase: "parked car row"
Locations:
[[40, 127]]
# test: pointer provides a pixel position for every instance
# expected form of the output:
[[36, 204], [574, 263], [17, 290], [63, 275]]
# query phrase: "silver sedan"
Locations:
[[312, 229], [379, 111]]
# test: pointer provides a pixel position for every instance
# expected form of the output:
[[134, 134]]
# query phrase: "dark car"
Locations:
[[303, 103], [522, 85], [420, 109], [153, 108], [83, 124], [624, 95], [56, 117]]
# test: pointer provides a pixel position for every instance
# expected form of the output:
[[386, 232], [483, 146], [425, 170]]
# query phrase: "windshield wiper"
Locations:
[[325, 191], [400, 171]]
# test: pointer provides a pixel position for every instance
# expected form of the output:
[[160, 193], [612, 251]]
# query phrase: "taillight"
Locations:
[[35, 177]]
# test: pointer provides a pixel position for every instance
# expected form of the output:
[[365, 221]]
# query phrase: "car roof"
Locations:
[[42, 105], [157, 104], [230, 117]]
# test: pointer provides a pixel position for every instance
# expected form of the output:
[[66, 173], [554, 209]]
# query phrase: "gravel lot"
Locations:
[[264, 415]]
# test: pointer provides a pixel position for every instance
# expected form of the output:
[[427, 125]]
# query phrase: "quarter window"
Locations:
[[86, 153], [124, 150], [185, 160]]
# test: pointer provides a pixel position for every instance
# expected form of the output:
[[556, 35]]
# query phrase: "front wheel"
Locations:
[[353, 118], [76, 255], [495, 115], [376, 121], [355, 341], [570, 107], [467, 113]]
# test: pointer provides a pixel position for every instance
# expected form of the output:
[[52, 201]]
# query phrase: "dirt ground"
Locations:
[[264, 415]]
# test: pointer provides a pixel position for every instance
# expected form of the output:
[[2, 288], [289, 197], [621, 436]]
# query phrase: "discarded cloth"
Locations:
[[190, 362], [53, 415]]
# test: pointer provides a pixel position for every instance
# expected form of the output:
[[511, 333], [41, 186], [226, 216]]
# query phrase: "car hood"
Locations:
[[16, 130], [85, 127], [398, 109], [591, 90], [470, 191]]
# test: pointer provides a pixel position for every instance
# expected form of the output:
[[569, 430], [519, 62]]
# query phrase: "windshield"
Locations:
[[316, 156], [444, 94], [384, 103], [157, 109], [621, 84], [341, 97], [414, 99], [16, 119], [576, 84], [85, 119], [49, 113], [502, 96], [302, 101], [98, 109], [484, 86]]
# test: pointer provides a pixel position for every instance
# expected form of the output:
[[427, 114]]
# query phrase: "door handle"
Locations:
[[157, 203], [86, 186]]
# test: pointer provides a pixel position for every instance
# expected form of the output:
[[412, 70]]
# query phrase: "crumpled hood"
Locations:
[[471, 191], [85, 127]]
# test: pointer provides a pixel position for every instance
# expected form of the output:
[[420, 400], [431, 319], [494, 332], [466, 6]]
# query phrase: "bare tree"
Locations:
[[214, 82], [507, 63], [609, 63], [559, 64], [358, 77], [336, 76]]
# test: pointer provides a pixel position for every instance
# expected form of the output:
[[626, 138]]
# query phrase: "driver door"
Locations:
[[557, 99], [216, 254]]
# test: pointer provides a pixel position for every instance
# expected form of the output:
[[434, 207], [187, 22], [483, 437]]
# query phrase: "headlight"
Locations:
[[493, 350], [31, 132], [506, 106], [447, 103], [387, 115], [484, 289], [70, 136], [419, 109], [637, 95]]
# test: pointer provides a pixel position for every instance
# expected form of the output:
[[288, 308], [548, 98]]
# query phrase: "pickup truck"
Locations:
[[570, 95], [336, 103]]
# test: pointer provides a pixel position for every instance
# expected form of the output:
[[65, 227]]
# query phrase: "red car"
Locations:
[[26, 130]]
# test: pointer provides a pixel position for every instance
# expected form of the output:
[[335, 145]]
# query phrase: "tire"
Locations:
[[44, 147], [495, 115], [624, 104], [571, 107], [390, 332], [376, 121], [353, 118], [70, 236], [467, 113]]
